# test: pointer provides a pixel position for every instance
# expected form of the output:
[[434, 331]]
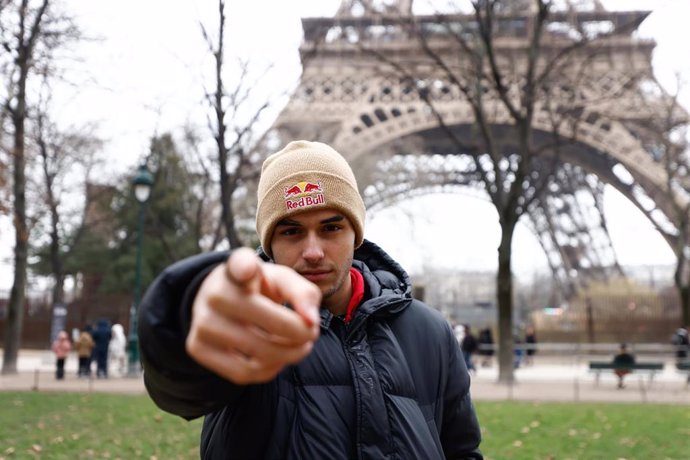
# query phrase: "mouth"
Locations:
[[315, 275]]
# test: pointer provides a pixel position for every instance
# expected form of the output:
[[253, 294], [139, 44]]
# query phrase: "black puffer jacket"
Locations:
[[391, 384]]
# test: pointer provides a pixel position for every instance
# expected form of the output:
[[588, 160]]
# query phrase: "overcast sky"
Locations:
[[144, 77]]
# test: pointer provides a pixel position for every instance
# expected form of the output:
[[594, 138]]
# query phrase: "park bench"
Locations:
[[684, 366], [602, 366]]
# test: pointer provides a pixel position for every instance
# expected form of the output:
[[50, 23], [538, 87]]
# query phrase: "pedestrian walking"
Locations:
[[84, 347], [61, 347], [530, 345], [459, 331], [117, 349], [101, 337], [315, 348], [469, 348], [518, 351], [486, 346]]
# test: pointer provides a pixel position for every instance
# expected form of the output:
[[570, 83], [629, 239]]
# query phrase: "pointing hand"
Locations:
[[241, 329]]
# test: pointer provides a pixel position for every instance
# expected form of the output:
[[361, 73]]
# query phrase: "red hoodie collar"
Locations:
[[357, 281]]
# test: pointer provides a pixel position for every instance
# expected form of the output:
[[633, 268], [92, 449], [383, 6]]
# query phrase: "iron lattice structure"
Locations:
[[353, 95]]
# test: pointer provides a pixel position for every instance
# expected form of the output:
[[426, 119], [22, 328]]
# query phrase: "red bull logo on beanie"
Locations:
[[303, 194]]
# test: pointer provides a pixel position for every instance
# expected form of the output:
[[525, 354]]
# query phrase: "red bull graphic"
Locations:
[[304, 194]]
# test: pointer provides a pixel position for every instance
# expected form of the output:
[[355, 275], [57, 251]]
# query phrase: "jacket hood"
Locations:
[[118, 330], [388, 288], [390, 277]]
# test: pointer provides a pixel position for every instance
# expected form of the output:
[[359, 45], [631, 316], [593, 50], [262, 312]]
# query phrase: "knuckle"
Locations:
[[189, 346], [298, 356], [214, 302], [193, 346], [264, 374], [200, 316], [255, 371], [242, 375], [251, 349], [268, 373]]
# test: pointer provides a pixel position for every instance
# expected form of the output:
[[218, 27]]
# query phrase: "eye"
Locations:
[[332, 227], [289, 231]]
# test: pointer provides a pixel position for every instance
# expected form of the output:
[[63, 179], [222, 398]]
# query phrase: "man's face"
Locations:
[[319, 245]]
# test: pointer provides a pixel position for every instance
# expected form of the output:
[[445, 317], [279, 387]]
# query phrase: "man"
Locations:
[[321, 354], [531, 348], [101, 337], [624, 360], [681, 341], [469, 346], [84, 347]]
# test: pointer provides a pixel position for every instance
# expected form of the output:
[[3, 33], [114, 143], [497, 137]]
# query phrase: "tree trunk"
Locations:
[[26, 40], [680, 277], [58, 273], [504, 298], [230, 230], [56, 262], [227, 213], [685, 304], [15, 309], [590, 321], [226, 190], [226, 201]]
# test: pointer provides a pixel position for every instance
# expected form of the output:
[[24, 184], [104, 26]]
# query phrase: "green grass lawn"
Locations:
[[74, 426], [86, 426], [515, 430]]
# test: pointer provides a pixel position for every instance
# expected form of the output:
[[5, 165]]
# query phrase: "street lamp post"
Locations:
[[143, 182]]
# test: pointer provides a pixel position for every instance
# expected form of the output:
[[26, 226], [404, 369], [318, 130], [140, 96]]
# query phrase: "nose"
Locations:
[[312, 251]]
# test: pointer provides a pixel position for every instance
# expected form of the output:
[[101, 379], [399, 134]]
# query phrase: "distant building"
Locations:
[[464, 297]]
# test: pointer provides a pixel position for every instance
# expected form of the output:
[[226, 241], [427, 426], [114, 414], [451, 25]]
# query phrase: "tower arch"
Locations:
[[353, 95]]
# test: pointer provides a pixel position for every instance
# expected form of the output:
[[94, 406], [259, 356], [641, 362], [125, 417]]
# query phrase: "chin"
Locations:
[[327, 291]]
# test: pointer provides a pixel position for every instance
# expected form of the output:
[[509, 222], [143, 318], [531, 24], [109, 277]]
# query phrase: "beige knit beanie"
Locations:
[[305, 176]]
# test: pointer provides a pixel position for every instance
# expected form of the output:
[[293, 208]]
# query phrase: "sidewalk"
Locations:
[[549, 379], [36, 371]]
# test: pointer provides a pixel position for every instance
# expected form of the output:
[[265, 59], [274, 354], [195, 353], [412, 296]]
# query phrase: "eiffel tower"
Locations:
[[353, 99]]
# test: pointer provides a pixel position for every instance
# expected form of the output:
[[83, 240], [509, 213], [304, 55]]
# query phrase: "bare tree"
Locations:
[[510, 63], [31, 32], [678, 172], [516, 167], [233, 142], [509, 173], [668, 138], [66, 160], [4, 185], [209, 225], [28, 32]]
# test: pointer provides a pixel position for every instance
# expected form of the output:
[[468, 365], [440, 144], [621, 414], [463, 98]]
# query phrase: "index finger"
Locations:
[[289, 286], [243, 268], [279, 283]]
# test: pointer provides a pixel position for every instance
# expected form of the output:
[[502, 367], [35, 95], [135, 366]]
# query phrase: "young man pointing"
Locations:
[[314, 348]]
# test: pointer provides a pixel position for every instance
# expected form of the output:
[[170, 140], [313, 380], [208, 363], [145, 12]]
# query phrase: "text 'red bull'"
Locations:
[[303, 194]]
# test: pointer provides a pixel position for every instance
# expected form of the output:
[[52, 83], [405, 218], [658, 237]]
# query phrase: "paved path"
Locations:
[[549, 379], [553, 382], [37, 372]]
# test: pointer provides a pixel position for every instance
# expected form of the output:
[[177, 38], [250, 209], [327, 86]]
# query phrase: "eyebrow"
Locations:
[[330, 220]]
